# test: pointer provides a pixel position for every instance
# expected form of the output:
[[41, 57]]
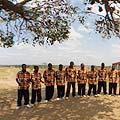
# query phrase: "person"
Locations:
[[102, 77], [119, 81], [23, 80], [112, 75], [71, 79], [60, 82], [36, 85], [92, 80], [81, 80], [49, 78]]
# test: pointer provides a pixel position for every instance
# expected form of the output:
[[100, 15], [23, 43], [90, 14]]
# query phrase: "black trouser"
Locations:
[[60, 91], [112, 86], [49, 92], [25, 94], [100, 85], [68, 89], [92, 86], [81, 89], [36, 93]]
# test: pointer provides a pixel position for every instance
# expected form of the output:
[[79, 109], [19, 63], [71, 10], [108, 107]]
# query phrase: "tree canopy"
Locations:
[[46, 21]]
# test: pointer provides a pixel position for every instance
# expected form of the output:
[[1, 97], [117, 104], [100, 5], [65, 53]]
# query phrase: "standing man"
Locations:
[[92, 80], [102, 76], [49, 77], [60, 82], [36, 85], [23, 80], [119, 80], [71, 79], [81, 79], [112, 75]]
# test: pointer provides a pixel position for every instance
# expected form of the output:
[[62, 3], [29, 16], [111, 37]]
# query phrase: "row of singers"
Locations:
[[61, 76]]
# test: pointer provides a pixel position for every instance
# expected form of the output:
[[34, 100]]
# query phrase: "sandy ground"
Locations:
[[88, 108]]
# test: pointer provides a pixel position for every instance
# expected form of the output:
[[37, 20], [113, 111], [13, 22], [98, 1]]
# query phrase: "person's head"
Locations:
[[92, 67], [50, 66], [82, 66], [113, 67], [102, 65], [71, 64], [24, 67], [60, 67], [36, 68]]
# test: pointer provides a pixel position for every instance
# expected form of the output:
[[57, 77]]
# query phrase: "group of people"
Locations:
[[65, 77]]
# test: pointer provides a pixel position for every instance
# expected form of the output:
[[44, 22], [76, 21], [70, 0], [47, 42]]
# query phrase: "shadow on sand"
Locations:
[[87, 108]]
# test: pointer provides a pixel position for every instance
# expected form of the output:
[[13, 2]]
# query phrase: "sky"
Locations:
[[83, 46]]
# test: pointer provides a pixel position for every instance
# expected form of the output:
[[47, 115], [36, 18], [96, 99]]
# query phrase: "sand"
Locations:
[[86, 108]]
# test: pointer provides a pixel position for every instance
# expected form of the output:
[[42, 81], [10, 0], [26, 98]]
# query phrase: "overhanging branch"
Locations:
[[10, 6]]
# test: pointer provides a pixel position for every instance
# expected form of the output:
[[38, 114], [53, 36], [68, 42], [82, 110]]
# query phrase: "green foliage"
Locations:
[[107, 25], [47, 21], [6, 40]]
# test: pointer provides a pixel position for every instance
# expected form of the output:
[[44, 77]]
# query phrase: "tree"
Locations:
[[43, 21], [108, 23], [46, 21]]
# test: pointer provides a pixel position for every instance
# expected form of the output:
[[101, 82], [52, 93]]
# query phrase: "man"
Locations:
[[102, 76], [82, 79], [23, 80], [36, 85], [119, 81], [92, 80], [60, 82], [49, 77], [112, 75], [71, 79]]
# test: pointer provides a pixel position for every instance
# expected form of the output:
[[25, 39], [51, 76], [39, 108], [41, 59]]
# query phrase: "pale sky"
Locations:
[[83, 46]]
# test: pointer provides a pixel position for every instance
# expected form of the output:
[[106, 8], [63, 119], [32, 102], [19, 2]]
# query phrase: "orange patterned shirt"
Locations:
[[102, 75], [23, 79], [60, 77], [112, 76], [82, 76], [49, 76], [36, 80], [92, 77], [70, 74]]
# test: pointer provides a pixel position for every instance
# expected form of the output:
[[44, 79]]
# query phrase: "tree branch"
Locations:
[[10, 6], [23, 2]]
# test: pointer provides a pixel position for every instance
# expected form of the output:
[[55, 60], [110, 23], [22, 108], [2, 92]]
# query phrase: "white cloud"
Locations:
[[58, 53], [116, 50], [84, 29], [72, 49], [83, 46]]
